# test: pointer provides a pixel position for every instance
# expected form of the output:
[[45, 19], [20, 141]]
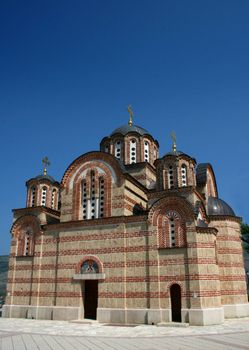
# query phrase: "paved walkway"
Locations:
[[22, 334]]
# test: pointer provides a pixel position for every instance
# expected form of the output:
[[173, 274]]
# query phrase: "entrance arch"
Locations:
[[89, 271], [176, 303], [90, 299]]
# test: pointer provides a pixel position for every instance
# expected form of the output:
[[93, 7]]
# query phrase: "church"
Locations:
[[127, 237]]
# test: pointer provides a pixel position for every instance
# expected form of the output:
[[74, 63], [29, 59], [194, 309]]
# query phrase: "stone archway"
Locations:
[[89, 272]]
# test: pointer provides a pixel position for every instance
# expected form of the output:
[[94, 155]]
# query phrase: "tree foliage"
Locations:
[[245, 236]]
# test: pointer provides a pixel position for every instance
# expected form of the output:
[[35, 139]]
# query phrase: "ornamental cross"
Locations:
[[46, 163], [130, 111]]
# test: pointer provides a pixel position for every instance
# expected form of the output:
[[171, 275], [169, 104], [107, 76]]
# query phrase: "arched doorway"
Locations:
[[176, 303], [90, 268], [90, 299]]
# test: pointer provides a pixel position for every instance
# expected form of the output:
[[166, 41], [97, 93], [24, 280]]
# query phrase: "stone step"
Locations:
[[172, 324], [84, 321]]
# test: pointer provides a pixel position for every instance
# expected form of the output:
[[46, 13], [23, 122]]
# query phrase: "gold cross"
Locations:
[[46, 163], [173, 136], [130, 111]]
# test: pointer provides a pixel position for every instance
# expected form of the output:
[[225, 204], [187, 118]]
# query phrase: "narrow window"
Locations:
[[107, 148], [171, 177], [146, 151], [84, 200], [184, 175], [44, 196], [93, 197], [172, 232], [155, 153], [26, 243], [101, 197], [118, 147], [133, 151], [33, 196], [53, 199]]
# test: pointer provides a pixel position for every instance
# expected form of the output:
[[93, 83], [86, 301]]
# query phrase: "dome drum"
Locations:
[[131, 144]]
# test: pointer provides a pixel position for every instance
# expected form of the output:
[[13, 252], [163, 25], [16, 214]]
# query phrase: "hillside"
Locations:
[[3, 274]]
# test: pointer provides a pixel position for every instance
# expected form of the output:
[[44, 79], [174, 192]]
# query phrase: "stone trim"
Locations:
[[89, 276], [225, 218], [96, 222]]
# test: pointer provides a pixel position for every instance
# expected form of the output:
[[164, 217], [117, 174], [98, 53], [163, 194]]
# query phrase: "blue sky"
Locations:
[[68, 70]]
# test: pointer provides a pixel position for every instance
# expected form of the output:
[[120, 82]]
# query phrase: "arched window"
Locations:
[[170, 177], [33, 196], [184, 175], [133, 151], [118, 149], [171, 230], [84, 200], [53, 206], [107, 148], [26, 243], [92, 197], [155, 153], [93, 206], [44, 196], [172, 235], [101, 197], [146, 151], [89, 266]]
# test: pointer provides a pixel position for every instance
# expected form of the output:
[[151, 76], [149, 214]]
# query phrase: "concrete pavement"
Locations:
[[23, 334]]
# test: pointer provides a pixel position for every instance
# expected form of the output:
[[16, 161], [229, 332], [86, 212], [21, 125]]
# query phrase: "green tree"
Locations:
[[245, 236]]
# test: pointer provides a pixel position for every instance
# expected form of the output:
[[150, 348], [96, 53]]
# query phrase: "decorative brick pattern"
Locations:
[[149, 239]]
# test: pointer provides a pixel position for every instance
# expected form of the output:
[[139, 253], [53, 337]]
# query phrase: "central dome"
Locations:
[[125, 129]]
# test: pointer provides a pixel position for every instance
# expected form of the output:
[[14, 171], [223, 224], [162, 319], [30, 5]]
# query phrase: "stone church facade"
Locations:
[[127, 237]]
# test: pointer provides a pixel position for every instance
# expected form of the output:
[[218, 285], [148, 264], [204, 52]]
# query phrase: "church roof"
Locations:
[[216, 206], [125, 129], [45, 177], [176, 153]]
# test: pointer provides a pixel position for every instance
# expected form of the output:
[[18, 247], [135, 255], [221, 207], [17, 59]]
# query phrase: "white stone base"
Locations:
[[41, 312], [195, 317], [206, 317], [132, 316], [137, 316], [236, 310]]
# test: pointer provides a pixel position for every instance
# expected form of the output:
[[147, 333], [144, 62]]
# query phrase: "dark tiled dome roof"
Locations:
[[45, 177], [125, 129], [217, 206], [176, 153]]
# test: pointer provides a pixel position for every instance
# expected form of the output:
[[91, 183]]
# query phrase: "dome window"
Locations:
[[53, 199], [184, 175], [146, 151], [33, 196], [118, 148], [170, 177], [44, 196], [133, 151]]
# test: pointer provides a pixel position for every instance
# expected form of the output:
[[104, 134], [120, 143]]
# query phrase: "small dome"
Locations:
[[125, 129], [217, 206], [45, 177], [176, 153]]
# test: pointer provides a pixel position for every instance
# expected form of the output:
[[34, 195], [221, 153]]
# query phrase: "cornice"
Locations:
[[96, 222]]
